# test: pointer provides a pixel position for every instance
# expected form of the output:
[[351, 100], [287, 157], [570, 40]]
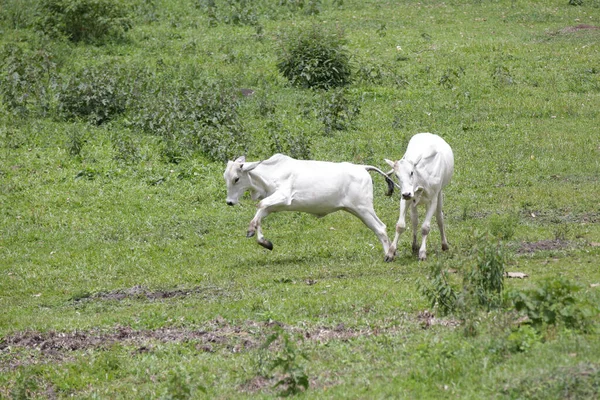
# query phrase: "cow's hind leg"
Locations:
[[439, 217], [371, 220]]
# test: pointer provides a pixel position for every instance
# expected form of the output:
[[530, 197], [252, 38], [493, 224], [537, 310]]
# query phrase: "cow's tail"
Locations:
[[389, 180]]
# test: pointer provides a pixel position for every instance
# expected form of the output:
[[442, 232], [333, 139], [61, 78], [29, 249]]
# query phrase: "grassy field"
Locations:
[[123, 273]]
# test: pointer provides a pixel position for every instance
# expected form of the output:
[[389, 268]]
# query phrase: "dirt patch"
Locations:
[[577, 28], [428, 319], [543, 245], [32, 347], [140, 292]]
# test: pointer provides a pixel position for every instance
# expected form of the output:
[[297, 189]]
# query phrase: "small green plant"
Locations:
[[76, 139], [555, 303], [438, 290], [485, 280], [503, 226], [523, 338], [315, 58], [337, 112], [285, 364], [90, 21]]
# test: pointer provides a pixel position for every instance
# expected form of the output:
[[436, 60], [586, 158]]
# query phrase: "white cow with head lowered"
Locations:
[[424, 170], [316, 187]]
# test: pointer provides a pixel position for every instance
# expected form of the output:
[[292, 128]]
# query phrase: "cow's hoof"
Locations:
[[266, 244], [422, 256], [445, 247], [249, 234], [389, 258]]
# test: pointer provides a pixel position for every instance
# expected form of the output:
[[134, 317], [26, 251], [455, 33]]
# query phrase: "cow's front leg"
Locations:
[[414, 219], [425, 228], [400, 228], [265, 207]]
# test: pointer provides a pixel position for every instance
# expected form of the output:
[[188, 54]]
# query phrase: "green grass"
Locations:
[[123, 275]]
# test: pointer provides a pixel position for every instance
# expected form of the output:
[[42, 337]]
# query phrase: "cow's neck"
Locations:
[[260, 186]]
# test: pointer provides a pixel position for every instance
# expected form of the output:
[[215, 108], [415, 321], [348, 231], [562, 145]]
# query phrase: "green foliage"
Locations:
[[482, 280], [96, 94], [25, 78], [90, 21], [503, 226], [523, 339], [314, 58], [485, 280], [336, 111], [282, 140], [285, 363], [439, 291], [202, 117], [555, 303]]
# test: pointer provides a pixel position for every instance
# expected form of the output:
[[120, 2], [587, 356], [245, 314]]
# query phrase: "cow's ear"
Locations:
[[390, 163], [250, 166], [240, 160]]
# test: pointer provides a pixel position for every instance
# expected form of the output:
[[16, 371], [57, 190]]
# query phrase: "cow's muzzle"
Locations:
[[230, 203], [407, 196]]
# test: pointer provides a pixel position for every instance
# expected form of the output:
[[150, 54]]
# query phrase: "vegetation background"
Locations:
[[123, 274]]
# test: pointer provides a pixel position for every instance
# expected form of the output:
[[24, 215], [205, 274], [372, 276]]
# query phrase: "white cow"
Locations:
[[425, 169], [316, 187]]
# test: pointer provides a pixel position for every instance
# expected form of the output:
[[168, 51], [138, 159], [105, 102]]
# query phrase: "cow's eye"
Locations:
[[411, 173], [236, 180]]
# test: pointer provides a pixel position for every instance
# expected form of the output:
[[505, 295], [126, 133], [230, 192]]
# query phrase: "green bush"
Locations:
[[553, 303], [315, 58], [503, 226], [200, 117], [90, 21], [95, 94], [25, 79]]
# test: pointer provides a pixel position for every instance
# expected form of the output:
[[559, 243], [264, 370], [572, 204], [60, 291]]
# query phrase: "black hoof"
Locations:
[[249, 234], [266, 244], [388, 259]]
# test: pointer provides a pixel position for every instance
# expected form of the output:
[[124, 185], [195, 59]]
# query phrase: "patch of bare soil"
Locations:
[[140, 292], [577, 28], [427, 319], [32, 347], [543, 245]]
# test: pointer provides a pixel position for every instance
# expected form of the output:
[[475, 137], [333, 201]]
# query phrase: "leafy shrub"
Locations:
[[554, 302], [482, 280], [25, 79], [286, 142], [197, 117], [438, 290], [96, 94], [285, 363], [90, 21], [315, 58], [485, 280], [522, 339], [337, 112]]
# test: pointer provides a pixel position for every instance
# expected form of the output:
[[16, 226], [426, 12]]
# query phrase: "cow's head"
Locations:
[[407, 175], [237, 179]]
